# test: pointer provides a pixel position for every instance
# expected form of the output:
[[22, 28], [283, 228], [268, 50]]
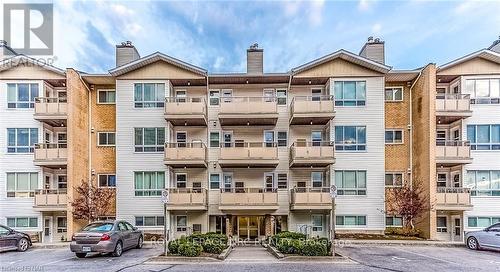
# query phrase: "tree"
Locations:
[[91, 201], [407, 201]]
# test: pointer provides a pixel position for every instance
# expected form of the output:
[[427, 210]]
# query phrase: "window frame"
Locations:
[[181, 228], [394, 89], [340, 146], [392, 225], [22, 193], [107, 138], [64, 228], [214, 98], [481, 192], [393, 174], [340, 101], [282, 100], [157, 219], [359, 191], [31, 95], [177, 181], [16, 219], [210, 181], [158, 147], [475, 145], [210, 139], [481, 99], [317, 228], [153, 103], [107, 180], [280, 141], [106, 91], [357, 218], [30, 148], [152, 192], [393, 131], [492, 220], [279, 182], [442, 229]]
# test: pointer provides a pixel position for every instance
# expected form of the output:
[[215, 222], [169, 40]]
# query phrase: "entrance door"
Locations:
[[228, 181], [181, 138], [47, 229], [227, 137], [243, 227], [457, 228], [248, 227]]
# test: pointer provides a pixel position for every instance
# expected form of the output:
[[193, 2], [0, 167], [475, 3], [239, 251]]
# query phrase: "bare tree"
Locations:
[[91, 201], [409, 202]]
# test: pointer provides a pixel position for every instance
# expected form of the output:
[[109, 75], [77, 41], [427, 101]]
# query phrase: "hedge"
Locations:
[[213, 243], [296, 243], [190, 249]]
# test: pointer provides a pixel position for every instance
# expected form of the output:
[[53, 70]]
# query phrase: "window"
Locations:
[[62, 181], [269, 138], [483, 182], [269, 95], [483, 91], [441, 179], [106, 96], [281, 96], [227, 95], [484, 137], [62, 224], [22, 222], [317, 222], [393, 221], [149, 183], [21, 95], [316, 94], [21, 140], [181, 138], [107, 180], [317, 179], [350, 220], [214, 181], [316, 138], [282, 138], [282, 181], [394, 94], [149, 221], [441, 224], [214, 139], [149, 139], [350, 182], [214, 97], [22, 184], [350, 93], [394, 179], [149, 95], [106, 138], [482, 222], [269, 182], [350, 138], [180, 180], [180, 96], [393, 136], [181, 222]]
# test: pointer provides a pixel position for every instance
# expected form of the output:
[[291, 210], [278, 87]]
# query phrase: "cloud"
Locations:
[[363, 5]]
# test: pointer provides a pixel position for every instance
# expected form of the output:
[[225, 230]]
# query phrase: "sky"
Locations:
[[215, 34]]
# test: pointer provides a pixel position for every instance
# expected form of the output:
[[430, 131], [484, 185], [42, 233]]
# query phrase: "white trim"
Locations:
[[106, 132], [181, 174], [484, 53], [394, 100], [105, 90], [393, 130], [271, 174]]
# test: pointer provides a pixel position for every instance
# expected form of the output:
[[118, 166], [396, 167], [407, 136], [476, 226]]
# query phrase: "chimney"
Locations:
[[374, 49], [125, 53], [255, 60], [495, 46]]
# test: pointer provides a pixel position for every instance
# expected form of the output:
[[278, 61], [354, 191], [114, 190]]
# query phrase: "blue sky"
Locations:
[[215, 35]]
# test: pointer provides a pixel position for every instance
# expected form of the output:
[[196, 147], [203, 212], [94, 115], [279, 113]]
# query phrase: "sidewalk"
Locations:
[[348, 242]]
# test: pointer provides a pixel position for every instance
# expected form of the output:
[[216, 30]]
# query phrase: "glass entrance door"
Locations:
[[243, 227], [249, 227]]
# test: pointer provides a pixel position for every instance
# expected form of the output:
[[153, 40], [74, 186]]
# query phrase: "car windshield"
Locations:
[[98, 227]]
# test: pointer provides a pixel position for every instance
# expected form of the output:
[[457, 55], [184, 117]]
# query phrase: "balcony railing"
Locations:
[[248, 110], [249, 198], [186, 110], [310, 198], [51, 107], [187, 199], [453, 152], [453, 198], [248, 153], [51, 200], [316, 110], [51, 154], [316, 153], [453, 104], [186, 154]]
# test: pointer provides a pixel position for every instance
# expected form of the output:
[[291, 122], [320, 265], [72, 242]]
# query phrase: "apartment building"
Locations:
[[251, 154]]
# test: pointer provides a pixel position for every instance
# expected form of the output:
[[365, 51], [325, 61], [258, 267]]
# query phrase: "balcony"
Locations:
[[179, 155], [51, 200], [248, 154], [182, 199], [52, 110], [248, 199], [237, 111], [452, 107], [51, 155], [186, 111], [311, 154], [453, 199], [453, 153], [311, 110], [310, 198]]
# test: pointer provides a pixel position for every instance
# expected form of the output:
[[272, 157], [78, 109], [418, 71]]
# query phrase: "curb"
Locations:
[[402, 243], [275, 252], [225, 253], [321, 259]]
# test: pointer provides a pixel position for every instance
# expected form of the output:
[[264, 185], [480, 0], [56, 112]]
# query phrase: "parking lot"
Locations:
[[364, 258]]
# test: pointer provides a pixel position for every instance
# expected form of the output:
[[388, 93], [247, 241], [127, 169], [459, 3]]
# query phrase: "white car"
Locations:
[[488, 238]]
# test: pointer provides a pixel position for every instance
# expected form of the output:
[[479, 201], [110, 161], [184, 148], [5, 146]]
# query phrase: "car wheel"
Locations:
[[140, 243], [81, 255], [23, 244], [472, 243], [118, 249]]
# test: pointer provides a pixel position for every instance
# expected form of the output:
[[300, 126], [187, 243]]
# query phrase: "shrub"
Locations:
[[314, 248], [325, 241], [275, 240], [173, 246], [213, 246], [190, 249], [290, 246], [403, 232]]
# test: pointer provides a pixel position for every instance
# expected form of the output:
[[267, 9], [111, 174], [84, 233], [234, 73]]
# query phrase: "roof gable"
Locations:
[[178, 67], [480, 62], [340, 63], [22, 66]]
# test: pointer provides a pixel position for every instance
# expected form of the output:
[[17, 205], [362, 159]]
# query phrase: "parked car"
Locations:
[[106, 237], [13, 240], [488, 238]]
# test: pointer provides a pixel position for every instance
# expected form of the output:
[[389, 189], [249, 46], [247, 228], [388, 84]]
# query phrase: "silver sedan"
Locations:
[[488, 238], [106, 237]]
